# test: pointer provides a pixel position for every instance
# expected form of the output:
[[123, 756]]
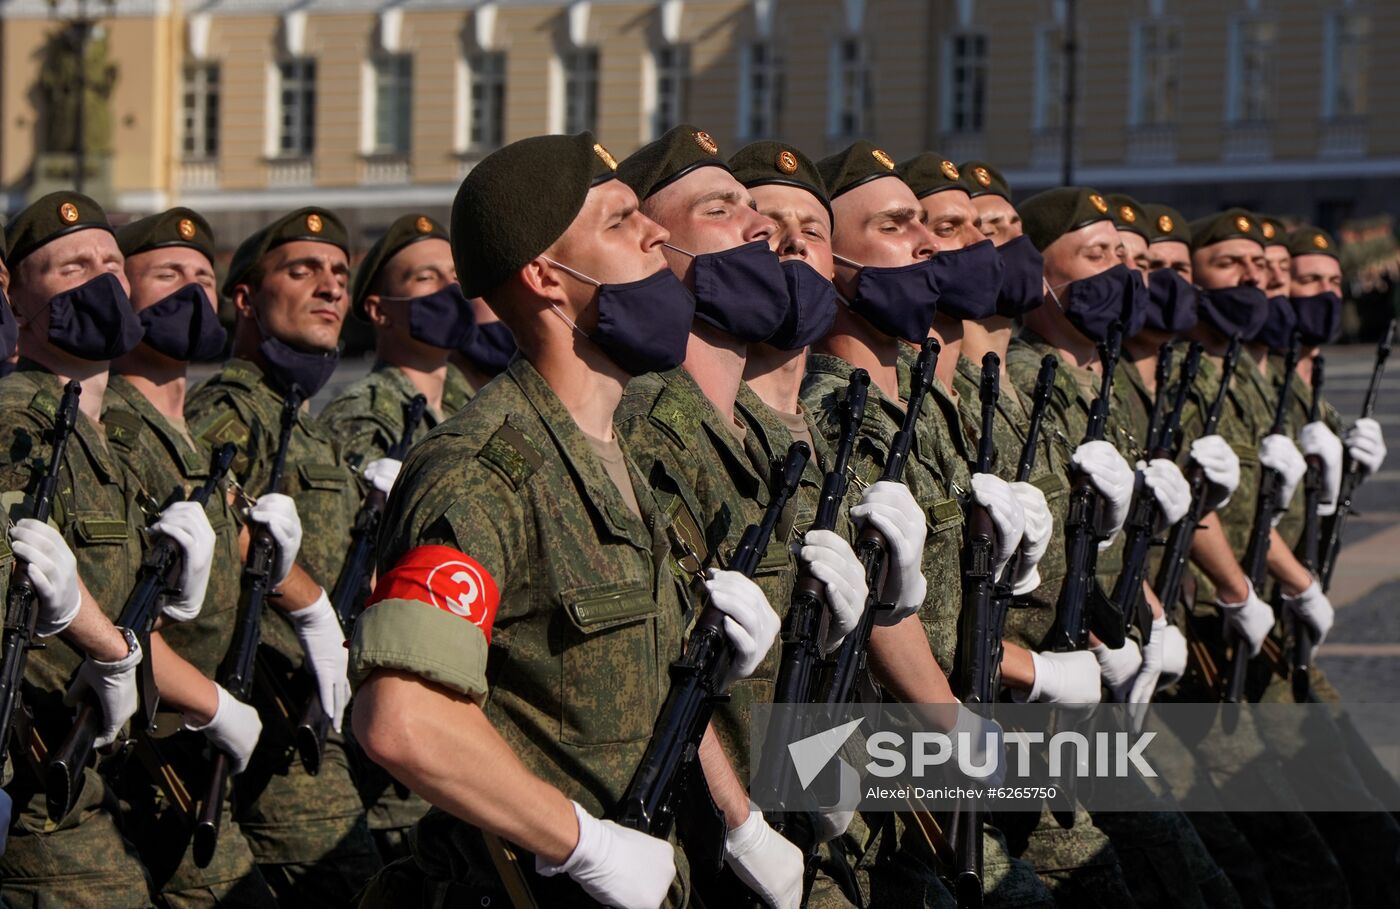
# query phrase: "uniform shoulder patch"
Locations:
[[44, 403], [123, 427], [675, 412], [513, 456], [446, 579], [220, 427]]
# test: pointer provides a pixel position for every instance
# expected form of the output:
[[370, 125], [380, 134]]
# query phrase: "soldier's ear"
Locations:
[[543, 280], [242, 297], [375, 312]]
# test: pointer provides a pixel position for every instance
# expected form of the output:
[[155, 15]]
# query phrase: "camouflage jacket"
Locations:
[[165, 466], [239, 405], [367, 419], [573, 670]]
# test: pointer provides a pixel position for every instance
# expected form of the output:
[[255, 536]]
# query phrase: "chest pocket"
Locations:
[[609, 686], [99, 529], [323, 477]]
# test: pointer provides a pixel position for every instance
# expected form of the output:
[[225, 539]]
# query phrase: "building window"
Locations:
[[1251, 70], [296, 133], [852, 97], [580, 89], [761, 90], [200, 111], [1156, 54], [393, 104], [1347, 59], [486, 95], [966, 84], [672, 87]]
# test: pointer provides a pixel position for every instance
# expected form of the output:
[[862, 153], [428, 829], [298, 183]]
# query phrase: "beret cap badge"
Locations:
[[885, 160], [1164, 224], [1242, 224], [787, 162], [314, 224], [1320, 241], [706, 142], [186, 229], [1268, 230], [1097, 201], [423, 225], [1127, 214], [983, 178], [68, 212], [606, 156], [949, 169]]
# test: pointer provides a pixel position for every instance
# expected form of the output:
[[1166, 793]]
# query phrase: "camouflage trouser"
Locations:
[[162, 833], [82, 862], [1078, 864]]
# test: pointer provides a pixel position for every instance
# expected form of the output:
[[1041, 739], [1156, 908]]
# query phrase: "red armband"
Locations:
[[442, 577]]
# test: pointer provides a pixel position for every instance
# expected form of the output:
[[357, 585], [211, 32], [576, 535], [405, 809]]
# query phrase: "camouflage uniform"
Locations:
[[164, 465], [590, 618], [456, 391], [307, 833], [81, 858], [367, 418]]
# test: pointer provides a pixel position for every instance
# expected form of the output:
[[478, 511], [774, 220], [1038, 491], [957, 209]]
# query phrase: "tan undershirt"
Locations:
[[615, 463], [741, 432], [796, 425]]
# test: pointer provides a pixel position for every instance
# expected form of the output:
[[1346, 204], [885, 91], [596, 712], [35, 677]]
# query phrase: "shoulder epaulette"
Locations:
[[44, 403], [675, 412], [235, 374], [220, 427], [387, 406], [512, 455], [123, 427]]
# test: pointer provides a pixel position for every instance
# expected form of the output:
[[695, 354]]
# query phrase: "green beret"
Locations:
[[657, 164], [176, 227], [51, 217], [1231, 224], [318, 225], [929, 173], [1275, 231], [518, 200], [981, 179], [770, 163], [405, 231], [1047, 216], [1128, 214], [1311, 241], [859, 163], [1165, 223]]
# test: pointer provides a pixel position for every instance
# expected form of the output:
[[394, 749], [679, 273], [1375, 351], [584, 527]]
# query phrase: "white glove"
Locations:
[[234, 729], [1173, 656], [114, 686], [1112, 477], [615, 865], [1117, 666], [983, 734], [891, 509], [53, 570], [766, 861], [1250, 620], [1169, 487], [382, 473], [831, 560], [1277, 452], [994, 494], [1036, 539], [1313, 609], [278, 513], [187, 525], [1318, 441], [750, 623], [1145, 685], [1366, 444], [1222, 470], [1065, 678], [323, 643]]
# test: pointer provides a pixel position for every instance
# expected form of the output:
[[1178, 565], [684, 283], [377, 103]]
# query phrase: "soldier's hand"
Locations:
[[1173, 656], [278, 513], [1278, 452], [750, 623], [187, 524], [323, 642], [1318, 441], [766, 861], [1036, 539], [1111, 475], [1153, 656], [382, 472], [1222, 470], [1250, 620], [617, 866], [831, 560], [1312, 608], [890, 508], [1118, 666], [53, 570], [114, 687], [1065, 678], [1169, 487], [234, 729], [994, 494], [1366, 445]]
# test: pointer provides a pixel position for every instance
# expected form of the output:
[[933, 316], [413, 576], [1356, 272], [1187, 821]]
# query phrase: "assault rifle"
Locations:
[[1303, 642]]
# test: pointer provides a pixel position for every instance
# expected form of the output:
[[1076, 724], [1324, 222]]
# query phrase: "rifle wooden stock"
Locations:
[[1303, 641]]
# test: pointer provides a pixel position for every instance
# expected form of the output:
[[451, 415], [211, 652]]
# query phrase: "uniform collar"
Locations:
[[181, 448]]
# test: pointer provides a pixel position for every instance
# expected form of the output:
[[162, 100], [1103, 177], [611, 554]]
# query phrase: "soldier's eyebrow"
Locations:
[[620, 214], [901, 213], [724, 195]]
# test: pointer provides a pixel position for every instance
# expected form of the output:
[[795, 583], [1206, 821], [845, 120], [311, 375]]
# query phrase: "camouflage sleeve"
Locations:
[[448, 555], [23, 450], [360, 435]]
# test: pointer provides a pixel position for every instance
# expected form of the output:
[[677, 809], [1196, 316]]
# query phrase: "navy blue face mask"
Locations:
[[1277, 331], [1022, 278], [183, 326], [94, 321], [439, 319], [969, 280], [811, 307], [287, 367], [643, 326], [1135, 303], [1234, 310], [900, 300], [489, 346], [740, 291], [1319, 317], [9, 329], [1171, 304], [1093, 304]]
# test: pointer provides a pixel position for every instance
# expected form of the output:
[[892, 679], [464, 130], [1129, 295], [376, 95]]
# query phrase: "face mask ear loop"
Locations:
[[582, 277], [683, 252], [1054, 296]]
